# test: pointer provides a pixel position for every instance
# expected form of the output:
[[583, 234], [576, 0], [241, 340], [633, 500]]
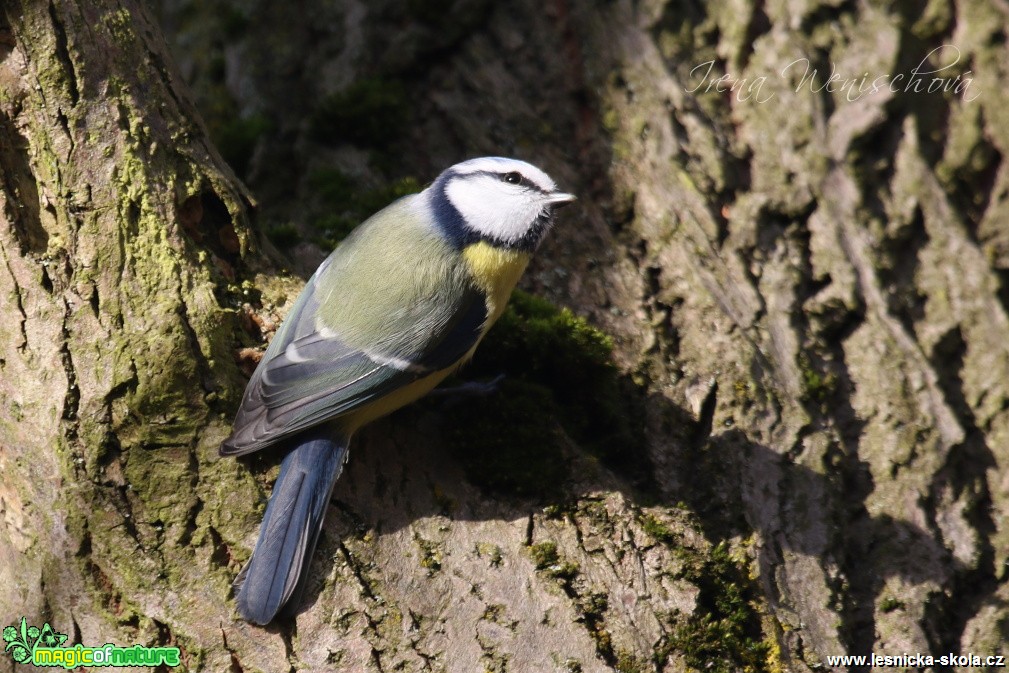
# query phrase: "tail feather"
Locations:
[[274, 575]]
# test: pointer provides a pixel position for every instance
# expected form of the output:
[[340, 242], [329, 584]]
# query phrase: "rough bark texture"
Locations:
[[118, 227], [806, 289]]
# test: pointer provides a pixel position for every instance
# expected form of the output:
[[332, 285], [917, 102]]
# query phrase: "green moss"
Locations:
[[816, 386], [557, 368], [494, 613], [591, 606], [430, 554], [548, 561], [491, 552], [724, 633], [657, 530], [592, 609], [628, 663], [371, 112], [890, 604], [120, 25], [247, 291], [557, 511], [508, 441], [544, 554], [538, 343]]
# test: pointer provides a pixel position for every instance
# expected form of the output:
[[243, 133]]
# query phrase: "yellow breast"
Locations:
[[495, 270]]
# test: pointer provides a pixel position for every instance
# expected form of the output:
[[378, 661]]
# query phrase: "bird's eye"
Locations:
[[512, 178]]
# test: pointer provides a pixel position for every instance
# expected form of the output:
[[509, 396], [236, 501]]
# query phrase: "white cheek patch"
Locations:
[[493, 207]]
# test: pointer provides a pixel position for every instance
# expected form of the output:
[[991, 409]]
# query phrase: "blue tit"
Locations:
[[397, 307]]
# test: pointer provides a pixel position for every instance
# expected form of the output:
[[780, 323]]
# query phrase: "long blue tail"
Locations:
[[291, 525]]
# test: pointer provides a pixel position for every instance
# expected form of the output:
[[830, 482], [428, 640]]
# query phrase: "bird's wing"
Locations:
[[310, 373]]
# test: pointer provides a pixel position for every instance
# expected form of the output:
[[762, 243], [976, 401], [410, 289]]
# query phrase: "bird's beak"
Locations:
[[558, 199]]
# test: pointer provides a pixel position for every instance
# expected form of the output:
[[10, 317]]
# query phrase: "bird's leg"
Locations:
[[471, 388]]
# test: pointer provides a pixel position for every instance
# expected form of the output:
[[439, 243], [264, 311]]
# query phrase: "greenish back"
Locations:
[[393, 283]]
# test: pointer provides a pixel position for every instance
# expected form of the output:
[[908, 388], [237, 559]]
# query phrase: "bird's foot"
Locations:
[[471, 388]]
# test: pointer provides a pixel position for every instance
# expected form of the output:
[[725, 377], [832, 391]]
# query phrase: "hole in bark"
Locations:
[[47, 282], [133, 218], [190, 214], [207, 221]]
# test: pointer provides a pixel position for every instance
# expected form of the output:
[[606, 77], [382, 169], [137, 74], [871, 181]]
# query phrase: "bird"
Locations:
[[397, 307]]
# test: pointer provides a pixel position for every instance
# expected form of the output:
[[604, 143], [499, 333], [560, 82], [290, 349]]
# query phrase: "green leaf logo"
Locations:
[[50, 638], [23, 639]]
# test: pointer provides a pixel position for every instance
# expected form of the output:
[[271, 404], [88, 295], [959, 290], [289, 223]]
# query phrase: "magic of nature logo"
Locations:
[[45, 647]]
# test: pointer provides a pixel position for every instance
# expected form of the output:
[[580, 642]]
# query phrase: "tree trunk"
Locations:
[[805, 285], [120, 234]]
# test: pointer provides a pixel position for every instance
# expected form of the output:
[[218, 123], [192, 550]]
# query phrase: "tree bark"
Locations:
[[120, 233], [805, 285]]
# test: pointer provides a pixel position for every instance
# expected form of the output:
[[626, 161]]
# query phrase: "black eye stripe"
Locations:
[[523, 181]]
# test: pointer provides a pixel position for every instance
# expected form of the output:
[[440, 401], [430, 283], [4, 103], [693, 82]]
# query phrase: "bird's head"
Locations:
[[505, 202]]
